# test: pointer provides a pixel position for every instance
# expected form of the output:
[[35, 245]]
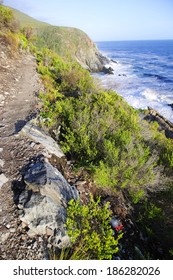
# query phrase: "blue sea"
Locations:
[[143, 73]]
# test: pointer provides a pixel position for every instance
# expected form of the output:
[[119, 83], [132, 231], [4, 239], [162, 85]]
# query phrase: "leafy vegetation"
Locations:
[[102, 133], [7, 19], [98, 128], [10, 34], [89, 228], [56, 37]]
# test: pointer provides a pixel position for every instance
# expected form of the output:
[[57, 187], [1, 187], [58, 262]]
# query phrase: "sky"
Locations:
[[105, 20]]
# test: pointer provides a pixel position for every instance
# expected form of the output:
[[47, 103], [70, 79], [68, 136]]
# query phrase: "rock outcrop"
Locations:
[[43, 194], [43, 201], [90, 58], [108, 70], [33, 132], [164, 124]]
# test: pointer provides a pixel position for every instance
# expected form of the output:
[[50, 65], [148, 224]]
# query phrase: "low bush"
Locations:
[[90, 232], [99, 130], [7, 19], [12, 41]]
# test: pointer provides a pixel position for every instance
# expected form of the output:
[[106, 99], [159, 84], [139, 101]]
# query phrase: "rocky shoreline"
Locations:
[[164, 124]]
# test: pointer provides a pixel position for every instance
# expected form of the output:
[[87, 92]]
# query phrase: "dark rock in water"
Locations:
[[114, 61], [108, 70], [171, 105], [122, 75]]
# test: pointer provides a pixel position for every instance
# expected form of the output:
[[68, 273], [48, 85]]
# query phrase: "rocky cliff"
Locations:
[[72, 42], [65, 41]]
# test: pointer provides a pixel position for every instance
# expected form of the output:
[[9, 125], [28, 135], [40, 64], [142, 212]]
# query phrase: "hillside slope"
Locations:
[[65, 41], [26, 20]]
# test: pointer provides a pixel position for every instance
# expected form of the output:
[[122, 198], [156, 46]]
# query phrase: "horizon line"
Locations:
[[125, 40]]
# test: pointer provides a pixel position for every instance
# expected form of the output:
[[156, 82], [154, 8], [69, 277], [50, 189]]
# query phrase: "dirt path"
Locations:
[[19, 83], [18, 88]]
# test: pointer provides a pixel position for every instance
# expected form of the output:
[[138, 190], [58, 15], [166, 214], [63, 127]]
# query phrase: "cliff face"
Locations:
[[65, 41], [89, 57], [73, 42]]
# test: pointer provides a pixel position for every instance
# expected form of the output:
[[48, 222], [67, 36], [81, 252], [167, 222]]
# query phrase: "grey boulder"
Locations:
[[44, 201]]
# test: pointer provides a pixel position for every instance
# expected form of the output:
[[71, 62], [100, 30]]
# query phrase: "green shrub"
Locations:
[[98, 129], [10, 34], [28, 32], [12, 41], [152, 215], [7, 19], [99, 134], [24, 44], [70, 78], [160, 145], [166, 155], [88, 227]]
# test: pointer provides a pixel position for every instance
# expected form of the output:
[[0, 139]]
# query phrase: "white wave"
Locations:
[[140, 97], [131, 81], [137, 92], [150, 94]]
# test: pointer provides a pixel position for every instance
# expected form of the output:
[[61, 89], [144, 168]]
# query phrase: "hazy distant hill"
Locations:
[[26, 20], [65, 41]]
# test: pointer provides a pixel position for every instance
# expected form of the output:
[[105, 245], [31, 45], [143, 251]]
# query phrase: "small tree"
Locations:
[[89, 229], [28, 32]]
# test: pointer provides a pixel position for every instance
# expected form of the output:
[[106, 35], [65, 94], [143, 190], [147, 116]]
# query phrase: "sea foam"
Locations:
[[143, 77]]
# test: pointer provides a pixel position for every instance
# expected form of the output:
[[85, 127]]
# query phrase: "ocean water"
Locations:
[[143, 73]]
